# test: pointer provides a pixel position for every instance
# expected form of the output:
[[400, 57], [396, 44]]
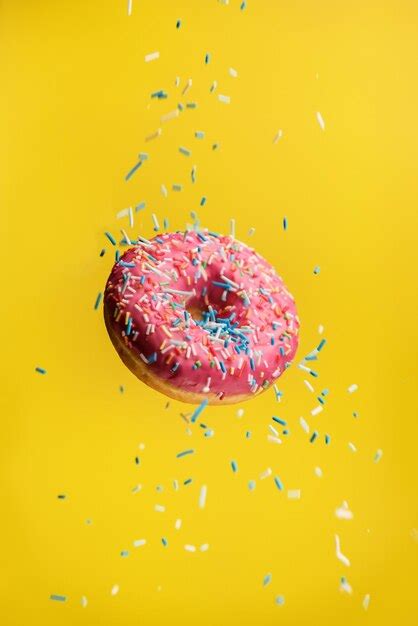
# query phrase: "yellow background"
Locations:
[[75, 109]]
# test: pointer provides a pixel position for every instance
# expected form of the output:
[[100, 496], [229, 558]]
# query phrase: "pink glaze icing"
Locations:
[[159, 290]]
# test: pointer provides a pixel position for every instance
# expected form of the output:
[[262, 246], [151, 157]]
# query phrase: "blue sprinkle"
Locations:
[[248, 434], [203, 201], [140, 206], [184, 151], [207, 58], [234, 466], [133, 170], [280, 600], [327, 439], [164, 541], [198, 411], [111, 238], [317, 269], [278, 483], [117, 256], [285, 223], [184, 453], [251, 485], [279, 420], [267, 579], [58, 598], [243, 5], [191, 105], [199, 134], [314, 374], [40, 370], [129, 327], [324, 392], [61, 496], [314, 436], [178, 23], [124, 553]]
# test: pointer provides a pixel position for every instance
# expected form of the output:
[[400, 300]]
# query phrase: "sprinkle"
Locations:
[[232, 228], [251, 232], [203, 201], [366, 601], [304, 424], [327, 439], [378, 455], [199, 134], [159, 508], [154, 135], [280, 600], [233, 72], [198, 411], [133, 170], [184, 151], [164, 541], [251, 485], [343, 511], [267, 579], [309, 386], [279, 420], [278, 483], [111, 238], [285, 223], [189, 548], [58, 598], [320, 329], [139, 542], [178, 23], [318, 472], [152, 56], [102, 252], [352, 388], [338, 552], [293, 494], [204, 547], [278, 136], [316, 410], [140, 206], [345, 585], [202, 496], [265, 474], [321, 345], [314, 436], [243, 5], [177, 524], [320, 120], [114, 590], [98, 300], [124, 553], [164, 191], [352, 446], [234, 466], [40, 370], [184, 453], [170, 116], [316, 270], [240, 412], [84, 602], [225, 99], [155, 222], [207, 58]]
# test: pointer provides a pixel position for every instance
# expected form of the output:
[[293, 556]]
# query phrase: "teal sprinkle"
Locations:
[[111, 238], [278, 483], [317, 269], [40, 370], [267, 579], [234, 466], [58, 598], [98, 300]]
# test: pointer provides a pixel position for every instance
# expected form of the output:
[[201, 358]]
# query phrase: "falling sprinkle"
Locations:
[[320, 120], [280, 600], [240, 412], [304, 424], [199, 134], [352, 446], [40, 370], [343, 511], [202, 496], [378, 455], [233, 72], [345, 586], [58, 598], [177, 524], [159, 508], [224, 99], [316, 270], [198, 411], [98, 300], [285, 223], [251, 485], [133, 170], [232, 228], [293, 494], [320, 329], [278, 136], [352, 388], [207, 58], [340, 556], [317, 410], [189, 548], [243, 5], [111, 238], [184, 151], [309, 386], [154, 135], [83, 601], [234, 466], [178, 23], [129, 7], [278, 483], [266, 473], [124, 553], [114, 590], [318, 472], [366, 601], [164, 542], [184, 453], [139, 542], [155, 222], [204, 547], [152, 56], [267, 579]]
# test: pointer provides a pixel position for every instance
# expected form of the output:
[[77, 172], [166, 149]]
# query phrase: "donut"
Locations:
[[200, 317]]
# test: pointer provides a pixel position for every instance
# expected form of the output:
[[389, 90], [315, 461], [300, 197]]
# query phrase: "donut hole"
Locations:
[[196, 310]]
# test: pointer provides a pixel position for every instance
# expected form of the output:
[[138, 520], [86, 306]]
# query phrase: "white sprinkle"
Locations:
[[225, 99], [122, 213], [152, 56], [131, 217], [139, 542], [378, 455], [240, 412], [343, 511], [352, 388], [266, 473], [141, 446], [345, 586], [320, 329], [177, 524], [187, 86], [202, 496], [155, 222], [352, 446], [170, 116], [274, 439], [233, 72], [309, 386], [164, 191], [317, 410], [366, 601], [278, 136], [154, 135], [304, 424], [160, 508], [320, 120], [83, 601], [114, 590], [232, 228], [204, 547], [340, 556], [318, 472], [293, 494], [189, 548]]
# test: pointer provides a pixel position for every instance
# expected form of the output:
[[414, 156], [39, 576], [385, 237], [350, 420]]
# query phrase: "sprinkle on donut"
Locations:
[[200, 316]]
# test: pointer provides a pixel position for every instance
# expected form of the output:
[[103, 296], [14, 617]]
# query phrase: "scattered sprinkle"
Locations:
[[278, 483], [111, 238], [98, 300], [160, 508], [352, 388], [320, 120], [152, 56], [366, 601], [184, 453], [224, 99], [139, 542], [280, 600], [234, 466], [58, 598], [318, 472], [233, 72], [343, 511], [340, 556], [278, 136], [267, 580], [285, 223], [204, 547], [316, 270], [83, 601], [293, 494], [202, 496], [345, 586], [198, 411], [240, 412], [177, 524], [40, 370], [189, 548], [114, 590], [378, 455]]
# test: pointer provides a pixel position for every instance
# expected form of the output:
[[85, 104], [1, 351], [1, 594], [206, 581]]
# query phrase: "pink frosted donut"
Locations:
[[200, 317]]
